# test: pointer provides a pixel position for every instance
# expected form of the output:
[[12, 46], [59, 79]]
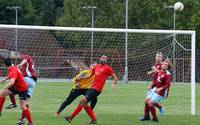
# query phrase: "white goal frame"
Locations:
[[192, 33]]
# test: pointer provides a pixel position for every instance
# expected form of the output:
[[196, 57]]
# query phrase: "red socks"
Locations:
[[146, 110], [90, 112], [87, 109], [27, 113], [76, 111], [12, 99], [153, 111], [2, 100]]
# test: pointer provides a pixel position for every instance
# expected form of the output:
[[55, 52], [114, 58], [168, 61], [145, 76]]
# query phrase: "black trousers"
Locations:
[[72, 96]]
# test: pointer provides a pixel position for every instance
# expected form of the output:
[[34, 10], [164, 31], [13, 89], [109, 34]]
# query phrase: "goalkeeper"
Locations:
[[79, 88]]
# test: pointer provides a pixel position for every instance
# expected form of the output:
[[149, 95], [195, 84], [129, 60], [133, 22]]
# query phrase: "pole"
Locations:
[[16, 8], [174, 45], [16, 38], [126, 45], [92, 8], [193, 76], [92, 37]]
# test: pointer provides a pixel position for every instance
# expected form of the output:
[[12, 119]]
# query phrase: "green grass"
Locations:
[[122, 107]]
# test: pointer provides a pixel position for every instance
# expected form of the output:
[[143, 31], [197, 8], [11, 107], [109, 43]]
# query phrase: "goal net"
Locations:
[[58, 52]]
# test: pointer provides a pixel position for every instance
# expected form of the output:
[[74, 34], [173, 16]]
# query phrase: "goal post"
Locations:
[[60, 51]]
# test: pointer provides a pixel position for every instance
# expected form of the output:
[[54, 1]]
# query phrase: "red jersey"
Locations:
[[154, 74], [163, 80], [20, 84], [101, 72], [28, 67]]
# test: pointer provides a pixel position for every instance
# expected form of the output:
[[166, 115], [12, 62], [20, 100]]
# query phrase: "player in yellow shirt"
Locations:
[[79, 88]]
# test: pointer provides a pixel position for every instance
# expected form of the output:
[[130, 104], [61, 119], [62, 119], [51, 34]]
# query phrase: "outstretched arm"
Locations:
[[114, 81], [2, 81], [22, 63], [12, 81]]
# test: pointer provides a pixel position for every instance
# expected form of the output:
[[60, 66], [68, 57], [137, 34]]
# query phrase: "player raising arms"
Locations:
[[79, 88], [16, 85], [159, 92], [101, 72], [155, 68]]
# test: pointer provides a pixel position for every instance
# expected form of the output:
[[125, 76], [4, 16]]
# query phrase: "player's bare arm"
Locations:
[[4, 80], [114, 81], [12, 81], [22, 63]]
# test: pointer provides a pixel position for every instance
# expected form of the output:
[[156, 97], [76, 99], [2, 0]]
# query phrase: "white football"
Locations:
[[178, 6]]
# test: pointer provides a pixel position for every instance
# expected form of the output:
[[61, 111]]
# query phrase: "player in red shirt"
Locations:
[[29, 73], [155, 68], [159, 93], [101, 71], [16, 85]]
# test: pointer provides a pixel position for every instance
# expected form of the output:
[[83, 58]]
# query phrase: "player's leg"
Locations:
[[12, 102], [146, 116], [146, 111], [93, 103], [25, 110], [31, 85], [76, 111], [72, 96], [155, 99], [90, 96], [83, 104], [160, 107], [3, 94]]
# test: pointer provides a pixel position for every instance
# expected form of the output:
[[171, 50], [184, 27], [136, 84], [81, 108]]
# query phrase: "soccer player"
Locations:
[[101, 72], [159, 93], [79, 88], [29, 74], [155, 68], [16, 85]]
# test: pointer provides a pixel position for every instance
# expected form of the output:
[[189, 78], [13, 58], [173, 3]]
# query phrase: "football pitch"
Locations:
[[120, 107]]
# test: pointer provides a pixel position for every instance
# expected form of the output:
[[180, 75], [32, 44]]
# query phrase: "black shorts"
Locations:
[[92, 94], [22, 94]]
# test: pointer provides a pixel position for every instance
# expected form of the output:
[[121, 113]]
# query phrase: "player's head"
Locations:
[[166, 64], [103, 59], [159, 57], [8, 62]]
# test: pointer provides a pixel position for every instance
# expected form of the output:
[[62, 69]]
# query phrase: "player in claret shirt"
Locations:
[[155, 69], [16, 85], [29, 74], [101, 72], [159, 93]]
